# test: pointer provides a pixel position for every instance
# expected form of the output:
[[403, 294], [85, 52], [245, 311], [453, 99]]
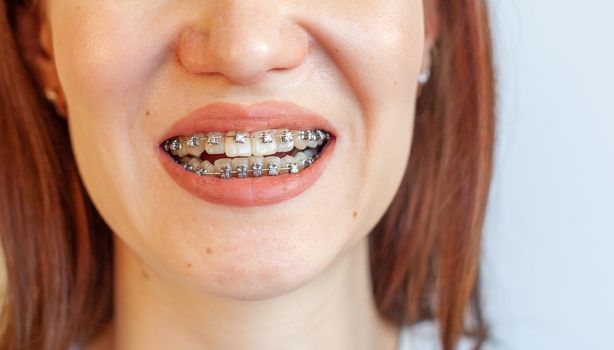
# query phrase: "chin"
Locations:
[[259, 277], [258, 282]]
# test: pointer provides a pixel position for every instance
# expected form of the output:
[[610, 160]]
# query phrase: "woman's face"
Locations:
[[131, 69]]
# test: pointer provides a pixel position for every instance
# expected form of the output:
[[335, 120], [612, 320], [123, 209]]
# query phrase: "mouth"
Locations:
[[238, 155], [243, 154]]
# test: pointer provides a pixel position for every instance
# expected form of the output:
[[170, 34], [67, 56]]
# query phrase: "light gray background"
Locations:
[[548, 264]]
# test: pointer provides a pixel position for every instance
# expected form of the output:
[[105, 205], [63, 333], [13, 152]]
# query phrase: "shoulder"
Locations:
[[424, 336]]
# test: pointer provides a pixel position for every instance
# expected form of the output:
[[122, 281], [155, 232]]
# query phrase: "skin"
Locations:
[[191, 274]]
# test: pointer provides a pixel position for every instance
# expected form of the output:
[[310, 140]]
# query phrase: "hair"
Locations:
[[424, 252]]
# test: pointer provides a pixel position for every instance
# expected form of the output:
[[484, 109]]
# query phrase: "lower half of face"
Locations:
[[130, 74]]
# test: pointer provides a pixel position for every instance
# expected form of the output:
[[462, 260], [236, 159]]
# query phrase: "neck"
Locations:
[[334, 311]]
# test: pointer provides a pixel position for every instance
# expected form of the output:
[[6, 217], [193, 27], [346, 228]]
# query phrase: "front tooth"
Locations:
[[241, 166], [301, 141], [286, 140], [224, 167], [237, 144], [286, 163], [272, 164], [214, 143], [263, 143], [196, 145], [256, 164]]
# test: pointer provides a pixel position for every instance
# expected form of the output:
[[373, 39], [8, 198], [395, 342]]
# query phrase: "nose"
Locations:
[[242, 40]]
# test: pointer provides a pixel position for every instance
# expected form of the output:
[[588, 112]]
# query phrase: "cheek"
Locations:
[[107, 55], [384, 66], [112, 56]]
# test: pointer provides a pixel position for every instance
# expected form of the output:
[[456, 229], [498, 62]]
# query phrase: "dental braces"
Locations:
[[257, 169], [266, 136]]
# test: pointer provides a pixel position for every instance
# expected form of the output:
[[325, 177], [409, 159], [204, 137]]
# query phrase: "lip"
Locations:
[[248, 192]]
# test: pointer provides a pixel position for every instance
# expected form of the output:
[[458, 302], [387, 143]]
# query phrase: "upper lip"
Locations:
[[224, 116]]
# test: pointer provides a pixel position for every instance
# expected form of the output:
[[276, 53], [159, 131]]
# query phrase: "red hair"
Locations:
[[424, 252]]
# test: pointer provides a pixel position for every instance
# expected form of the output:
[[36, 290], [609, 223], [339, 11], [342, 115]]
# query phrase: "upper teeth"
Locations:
[[244, 144]]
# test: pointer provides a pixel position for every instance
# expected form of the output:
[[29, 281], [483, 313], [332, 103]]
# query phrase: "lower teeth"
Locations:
[[227, 171], [243, 167]]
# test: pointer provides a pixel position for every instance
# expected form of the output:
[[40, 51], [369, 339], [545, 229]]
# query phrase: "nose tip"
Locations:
[[242, 48]]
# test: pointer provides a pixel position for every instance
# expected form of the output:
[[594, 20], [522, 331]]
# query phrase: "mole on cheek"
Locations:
[[145, 275], [209, 250], [147, 113], [189, 265], [355, 214]]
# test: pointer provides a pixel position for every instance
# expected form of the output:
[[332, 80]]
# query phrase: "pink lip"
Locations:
[[248, 192]]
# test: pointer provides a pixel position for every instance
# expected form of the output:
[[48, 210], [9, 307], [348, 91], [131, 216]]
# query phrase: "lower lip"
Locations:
[[248, 192]]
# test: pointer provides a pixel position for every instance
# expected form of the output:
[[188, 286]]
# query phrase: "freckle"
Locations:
[[355, 214], [395, 83], [145, 275], [189, 264], [147, 113], [209, 251]]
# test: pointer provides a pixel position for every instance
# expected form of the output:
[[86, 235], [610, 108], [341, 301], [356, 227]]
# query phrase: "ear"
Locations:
[[33, 34], [431, 24]]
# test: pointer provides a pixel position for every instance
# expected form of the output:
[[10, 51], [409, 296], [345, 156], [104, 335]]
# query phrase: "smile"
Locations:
[[243, 154], [248, 155]]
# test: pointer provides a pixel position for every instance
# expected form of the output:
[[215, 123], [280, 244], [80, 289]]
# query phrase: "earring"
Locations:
[[424, 76], [54, 98], [51, 95]]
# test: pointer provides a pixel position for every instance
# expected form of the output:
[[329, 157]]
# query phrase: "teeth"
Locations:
[[224, 167], [241, 166], [312, 140], [286, 141], [310, 152], [300, 159], [237, 144], [207, 166], [195, 145], [183, 149], [320, 136], [194, 163], [214, 143], [243, 144], [294, 168], [286, 162], [263, 143], [256, 165], [174, 146], [301, 142], [272, 164], [246, 152]]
